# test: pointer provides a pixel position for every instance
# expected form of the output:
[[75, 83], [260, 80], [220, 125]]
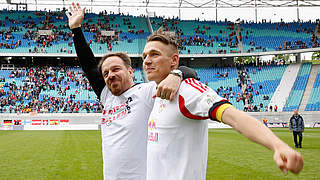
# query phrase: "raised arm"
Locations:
[[285, 157], [86, 57]]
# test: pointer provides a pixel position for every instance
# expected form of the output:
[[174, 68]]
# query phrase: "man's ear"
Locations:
[[131, 70], [174, 61]]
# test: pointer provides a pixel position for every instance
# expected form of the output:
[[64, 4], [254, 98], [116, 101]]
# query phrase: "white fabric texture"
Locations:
[[124, 132], [177, 142]]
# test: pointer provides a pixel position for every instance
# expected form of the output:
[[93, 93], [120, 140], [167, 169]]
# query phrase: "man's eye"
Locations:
[[156, 54]]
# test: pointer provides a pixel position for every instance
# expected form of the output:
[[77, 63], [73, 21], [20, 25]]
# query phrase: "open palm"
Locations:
[[76, 15]]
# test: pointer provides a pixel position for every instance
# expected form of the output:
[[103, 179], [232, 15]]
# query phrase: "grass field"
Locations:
[[77, 155]]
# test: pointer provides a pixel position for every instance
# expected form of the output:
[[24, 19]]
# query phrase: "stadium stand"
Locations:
[[21, 38], [49, 89], [314, 99], [265, 81], [284, 36], [48, 32], [261, 83], [297, 91], [20, 34]]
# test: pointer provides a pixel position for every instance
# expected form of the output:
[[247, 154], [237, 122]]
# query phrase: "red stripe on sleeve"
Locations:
[[199, 84], [186, 112], [193, 85]]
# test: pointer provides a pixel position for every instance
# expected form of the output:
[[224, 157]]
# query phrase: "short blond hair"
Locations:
[[165, 38]]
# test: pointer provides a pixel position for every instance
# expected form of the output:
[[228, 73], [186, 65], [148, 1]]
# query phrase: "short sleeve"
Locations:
[[198, 101], [104, 94], [150, 89]]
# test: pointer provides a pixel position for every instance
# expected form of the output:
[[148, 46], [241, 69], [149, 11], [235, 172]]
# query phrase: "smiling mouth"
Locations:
[[150, 69], [114, 82]]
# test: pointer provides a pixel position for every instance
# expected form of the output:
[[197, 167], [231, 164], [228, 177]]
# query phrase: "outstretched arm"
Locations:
[[87, 60], [284, 156]]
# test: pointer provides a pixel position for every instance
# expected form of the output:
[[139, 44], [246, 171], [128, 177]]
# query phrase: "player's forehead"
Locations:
[[153, 46], [112, 62]]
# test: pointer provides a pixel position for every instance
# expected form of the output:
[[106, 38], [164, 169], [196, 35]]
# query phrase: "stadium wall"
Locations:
[[310, 117], [51, 121], [91, 121]]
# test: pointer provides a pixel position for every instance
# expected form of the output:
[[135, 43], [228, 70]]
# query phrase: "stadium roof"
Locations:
[[175, 3], [198, 8]]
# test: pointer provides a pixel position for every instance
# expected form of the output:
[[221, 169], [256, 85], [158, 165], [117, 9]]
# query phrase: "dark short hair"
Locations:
[[125, 58], [166, 38]]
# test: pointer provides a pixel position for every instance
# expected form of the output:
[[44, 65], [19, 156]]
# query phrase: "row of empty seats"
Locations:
[[314, 100], [298, 89]]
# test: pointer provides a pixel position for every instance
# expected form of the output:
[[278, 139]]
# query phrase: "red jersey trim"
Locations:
[[196, 85], [186, 112], [202, 86]]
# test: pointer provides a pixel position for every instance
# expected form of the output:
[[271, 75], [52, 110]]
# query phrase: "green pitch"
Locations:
[[77, 155]]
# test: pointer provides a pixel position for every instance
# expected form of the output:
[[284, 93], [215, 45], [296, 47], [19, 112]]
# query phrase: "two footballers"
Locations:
[[180, 149]]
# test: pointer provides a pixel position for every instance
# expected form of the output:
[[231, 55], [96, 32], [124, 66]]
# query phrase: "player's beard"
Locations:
[[115, 87]]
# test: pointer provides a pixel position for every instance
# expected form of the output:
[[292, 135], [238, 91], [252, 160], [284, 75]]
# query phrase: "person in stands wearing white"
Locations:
[[178, 130]]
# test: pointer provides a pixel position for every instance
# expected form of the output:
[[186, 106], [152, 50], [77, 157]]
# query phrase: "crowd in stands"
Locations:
[[57, 90], [201, 37], [30, 95], [226, 36], [39, 42], [247, 93], [247, 88], [299, 44]]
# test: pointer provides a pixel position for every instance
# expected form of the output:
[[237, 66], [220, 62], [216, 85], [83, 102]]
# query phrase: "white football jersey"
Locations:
[[124, 132], [178, 134]]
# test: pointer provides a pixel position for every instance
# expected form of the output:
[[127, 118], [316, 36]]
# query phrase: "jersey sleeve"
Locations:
[[198, 101], [104, 94], [149, 91]]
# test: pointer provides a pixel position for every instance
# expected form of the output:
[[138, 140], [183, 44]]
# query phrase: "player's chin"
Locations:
[[150, 76], [114, 88], [115, 91]]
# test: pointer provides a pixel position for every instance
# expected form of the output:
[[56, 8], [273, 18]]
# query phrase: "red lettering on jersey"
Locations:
[[118, 115], [124, 112], [153, 137], [115, 112], [103, 120]]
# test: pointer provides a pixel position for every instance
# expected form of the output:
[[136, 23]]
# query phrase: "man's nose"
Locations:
[[111, 76], [147, 60]]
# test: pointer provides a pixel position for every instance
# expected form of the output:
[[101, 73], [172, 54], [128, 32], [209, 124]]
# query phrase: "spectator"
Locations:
[[296, 125]]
